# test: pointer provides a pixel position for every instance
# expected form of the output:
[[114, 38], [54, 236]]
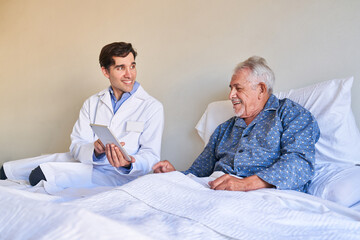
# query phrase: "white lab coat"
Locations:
[[79, 169]]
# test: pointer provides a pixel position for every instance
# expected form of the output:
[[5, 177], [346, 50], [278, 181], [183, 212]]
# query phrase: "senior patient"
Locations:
[[269, 143], [135, 117]]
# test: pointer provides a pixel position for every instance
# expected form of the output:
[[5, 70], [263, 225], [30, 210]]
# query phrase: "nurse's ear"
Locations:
[[105, 72]]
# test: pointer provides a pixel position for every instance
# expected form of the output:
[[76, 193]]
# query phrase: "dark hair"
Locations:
[[116, 49]]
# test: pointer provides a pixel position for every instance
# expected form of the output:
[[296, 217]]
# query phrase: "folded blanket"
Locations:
[[177, 207]]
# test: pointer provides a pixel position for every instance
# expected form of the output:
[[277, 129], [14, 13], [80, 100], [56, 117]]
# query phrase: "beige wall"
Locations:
[[187, 50]]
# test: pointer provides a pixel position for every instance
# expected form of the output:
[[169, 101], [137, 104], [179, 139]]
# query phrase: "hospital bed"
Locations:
[[175, 206]]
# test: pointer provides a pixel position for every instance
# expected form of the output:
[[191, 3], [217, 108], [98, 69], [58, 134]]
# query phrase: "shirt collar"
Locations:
[[135, 87], [271, 105]]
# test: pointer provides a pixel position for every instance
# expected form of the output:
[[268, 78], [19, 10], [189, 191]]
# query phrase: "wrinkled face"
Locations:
[[245, 97], [122, 74]]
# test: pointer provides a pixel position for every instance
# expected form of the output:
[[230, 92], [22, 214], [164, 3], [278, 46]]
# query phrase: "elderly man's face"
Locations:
[[246, 98]]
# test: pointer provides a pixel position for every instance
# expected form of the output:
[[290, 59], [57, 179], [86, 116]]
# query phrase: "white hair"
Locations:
[[260, 71]]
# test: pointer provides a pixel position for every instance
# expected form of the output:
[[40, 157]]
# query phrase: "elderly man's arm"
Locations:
[[231, 183], [295, 166]]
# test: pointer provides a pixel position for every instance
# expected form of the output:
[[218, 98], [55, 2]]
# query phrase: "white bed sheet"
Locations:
[[174, 206]]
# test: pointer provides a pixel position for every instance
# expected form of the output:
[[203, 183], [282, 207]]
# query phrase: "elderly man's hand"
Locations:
[[163, 167], [231, 183]]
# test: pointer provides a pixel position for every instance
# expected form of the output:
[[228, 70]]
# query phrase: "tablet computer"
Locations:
[[107, 137]]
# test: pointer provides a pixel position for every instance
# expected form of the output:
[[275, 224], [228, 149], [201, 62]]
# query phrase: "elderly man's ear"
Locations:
[[263, 90]]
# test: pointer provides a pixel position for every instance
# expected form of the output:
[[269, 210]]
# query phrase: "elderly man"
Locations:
[[269, 143]]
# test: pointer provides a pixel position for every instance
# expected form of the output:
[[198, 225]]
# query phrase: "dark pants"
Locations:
[[36, 176], [2, 174]]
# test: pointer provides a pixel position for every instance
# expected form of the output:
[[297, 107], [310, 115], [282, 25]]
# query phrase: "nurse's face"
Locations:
[[122, 74]]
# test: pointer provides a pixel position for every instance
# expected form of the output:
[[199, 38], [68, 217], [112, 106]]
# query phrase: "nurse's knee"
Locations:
[[36, 176]]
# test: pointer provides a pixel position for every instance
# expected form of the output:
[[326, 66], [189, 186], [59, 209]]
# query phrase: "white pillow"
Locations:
[[329, 102]]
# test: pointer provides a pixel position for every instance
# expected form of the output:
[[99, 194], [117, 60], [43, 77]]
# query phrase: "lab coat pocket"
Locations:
[[132, 142], [132, 126]]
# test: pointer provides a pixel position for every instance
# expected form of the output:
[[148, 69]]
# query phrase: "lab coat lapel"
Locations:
[[104, 97], [130, 106], [103, 111]]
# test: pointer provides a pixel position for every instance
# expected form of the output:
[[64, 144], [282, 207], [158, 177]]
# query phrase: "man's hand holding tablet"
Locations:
[[111, 146]]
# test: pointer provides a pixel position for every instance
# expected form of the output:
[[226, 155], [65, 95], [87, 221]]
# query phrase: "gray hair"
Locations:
[[260, 71]]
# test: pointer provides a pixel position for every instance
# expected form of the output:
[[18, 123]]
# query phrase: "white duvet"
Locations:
[[175, 206]]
